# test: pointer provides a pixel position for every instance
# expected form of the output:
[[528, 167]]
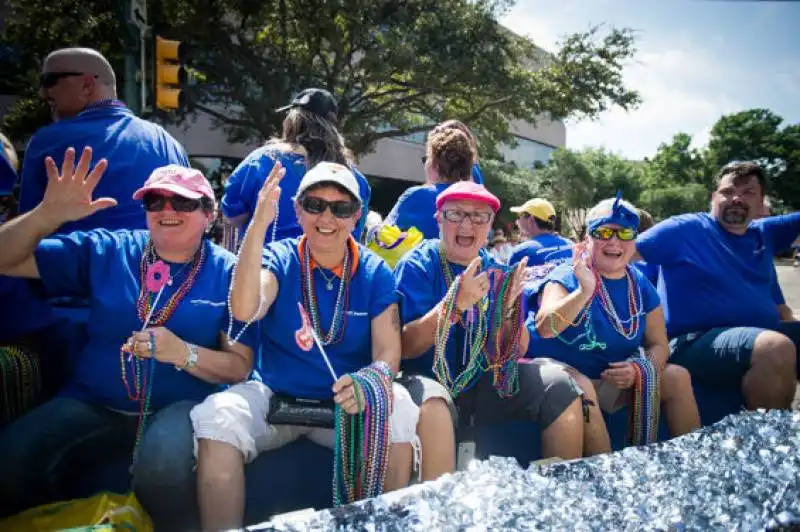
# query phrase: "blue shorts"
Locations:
[[720, 357]]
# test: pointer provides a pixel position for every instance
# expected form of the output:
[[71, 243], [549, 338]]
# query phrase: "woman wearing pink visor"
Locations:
[[157, 340]]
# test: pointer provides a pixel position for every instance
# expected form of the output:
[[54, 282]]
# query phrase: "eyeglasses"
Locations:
[[625, 234], [341, 209], [49, 80], [477, 218], [157, 202]]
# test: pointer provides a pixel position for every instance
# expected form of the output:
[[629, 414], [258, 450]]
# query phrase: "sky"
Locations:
[[697, 60]]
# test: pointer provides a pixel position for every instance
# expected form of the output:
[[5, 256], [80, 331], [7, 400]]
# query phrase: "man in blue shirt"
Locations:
[[80, 87], [716, 286], [537, 221]]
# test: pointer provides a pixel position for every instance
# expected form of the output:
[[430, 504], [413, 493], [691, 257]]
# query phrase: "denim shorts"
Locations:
[[721, 356]]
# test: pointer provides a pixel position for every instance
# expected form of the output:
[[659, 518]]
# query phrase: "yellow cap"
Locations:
[[537, 207]]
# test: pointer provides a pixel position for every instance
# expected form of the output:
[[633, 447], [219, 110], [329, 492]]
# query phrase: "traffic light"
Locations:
[[170, 76]]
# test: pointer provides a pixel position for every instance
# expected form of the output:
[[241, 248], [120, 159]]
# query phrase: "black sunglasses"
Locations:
[[340, 209], [156, 203], [48, 80]]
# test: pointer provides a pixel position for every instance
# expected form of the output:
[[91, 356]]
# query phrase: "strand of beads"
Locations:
[[361, 455], [336, 331], [474, 340], [503, 351], [20, 382], [585, 317], [646, 402], [628, 328]]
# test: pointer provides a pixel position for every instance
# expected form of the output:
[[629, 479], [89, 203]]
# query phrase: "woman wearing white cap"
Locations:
[[330, 335], [157, 333]]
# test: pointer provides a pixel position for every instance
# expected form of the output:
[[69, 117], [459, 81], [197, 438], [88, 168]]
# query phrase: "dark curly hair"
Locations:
[[451, 153]]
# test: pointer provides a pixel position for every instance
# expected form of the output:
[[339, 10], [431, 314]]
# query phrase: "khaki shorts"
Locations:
[[238, 417]]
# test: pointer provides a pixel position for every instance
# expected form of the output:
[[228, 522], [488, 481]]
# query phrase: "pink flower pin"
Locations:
[[157, 276]]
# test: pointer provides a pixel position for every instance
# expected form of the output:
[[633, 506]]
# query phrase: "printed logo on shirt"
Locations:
[[303, 336], [356, 314]]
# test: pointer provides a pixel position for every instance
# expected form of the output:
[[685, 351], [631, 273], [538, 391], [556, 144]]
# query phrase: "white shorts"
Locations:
[[238, 417]]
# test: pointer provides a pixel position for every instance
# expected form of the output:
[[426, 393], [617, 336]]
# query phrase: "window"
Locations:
[[527, 153]]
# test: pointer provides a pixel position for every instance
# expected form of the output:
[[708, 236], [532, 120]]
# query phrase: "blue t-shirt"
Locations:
[[592, 362], [286, 366], [477, 175], [542, 249], [416, 207], [421, 282], [713, 278], [103, 267], [133, 147], [648, 270], [24, 310], [244, 184]]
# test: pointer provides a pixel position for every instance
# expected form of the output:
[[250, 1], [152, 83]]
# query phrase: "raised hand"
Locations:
[[474, 286], [68, 196], [270, 194], [582, 265]]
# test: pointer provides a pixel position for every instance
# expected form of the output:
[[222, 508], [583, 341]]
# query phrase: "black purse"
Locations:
[[287, 410]]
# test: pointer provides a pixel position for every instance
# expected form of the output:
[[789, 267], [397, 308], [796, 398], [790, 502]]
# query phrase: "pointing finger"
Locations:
[[472, 268]]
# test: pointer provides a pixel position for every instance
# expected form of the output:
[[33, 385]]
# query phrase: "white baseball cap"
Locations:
[[326, 172]]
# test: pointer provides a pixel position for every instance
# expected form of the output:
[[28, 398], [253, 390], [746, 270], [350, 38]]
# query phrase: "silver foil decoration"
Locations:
[[742, 473]]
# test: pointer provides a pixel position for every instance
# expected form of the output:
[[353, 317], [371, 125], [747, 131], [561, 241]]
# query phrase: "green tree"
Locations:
[[757, 135], [569, 184], [511, 184], [612, 173], [668, 201], [677, 163], [395, 66]]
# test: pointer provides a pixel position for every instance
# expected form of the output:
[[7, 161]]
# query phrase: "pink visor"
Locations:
[[467, 190], [186, 182]]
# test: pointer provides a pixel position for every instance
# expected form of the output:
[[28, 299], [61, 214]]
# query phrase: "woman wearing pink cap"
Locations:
[[464, 332], [156, 335]]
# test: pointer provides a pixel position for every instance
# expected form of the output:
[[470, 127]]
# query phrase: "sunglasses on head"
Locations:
[[625, 234], [477, 218], [48, 80], [341, 209], [156, 203]]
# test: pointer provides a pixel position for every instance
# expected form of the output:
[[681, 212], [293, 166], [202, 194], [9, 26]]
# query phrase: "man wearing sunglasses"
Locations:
[[716, 285], [536, 221], [79, 85]]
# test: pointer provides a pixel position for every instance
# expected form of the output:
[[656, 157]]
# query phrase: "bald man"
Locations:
[[79, 85]]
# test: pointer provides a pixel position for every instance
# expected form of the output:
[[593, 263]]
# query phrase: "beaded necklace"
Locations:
[[361, 455], [338, 321], [20, 382], [628, 328], [142, 370], [485, 345], [646, 402]]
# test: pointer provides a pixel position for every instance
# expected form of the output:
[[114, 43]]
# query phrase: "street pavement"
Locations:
[[789, 277]]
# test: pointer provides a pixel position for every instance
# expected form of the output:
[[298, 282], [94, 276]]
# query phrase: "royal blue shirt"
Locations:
[[286, 366], [592, 359], [244, 184], [132, 146], [713, 278], [103, 267], [421, 282], [648, 270], [416, 207], [543, 249]]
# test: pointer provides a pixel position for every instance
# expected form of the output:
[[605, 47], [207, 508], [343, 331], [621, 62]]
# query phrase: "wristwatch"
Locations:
[[191, 357]]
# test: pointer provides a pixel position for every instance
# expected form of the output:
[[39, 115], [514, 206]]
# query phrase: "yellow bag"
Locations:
[[104, 511], [390, 243]]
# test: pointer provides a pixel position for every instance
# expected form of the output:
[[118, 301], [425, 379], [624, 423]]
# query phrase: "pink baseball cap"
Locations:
[[467, 190], [187, 182]]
